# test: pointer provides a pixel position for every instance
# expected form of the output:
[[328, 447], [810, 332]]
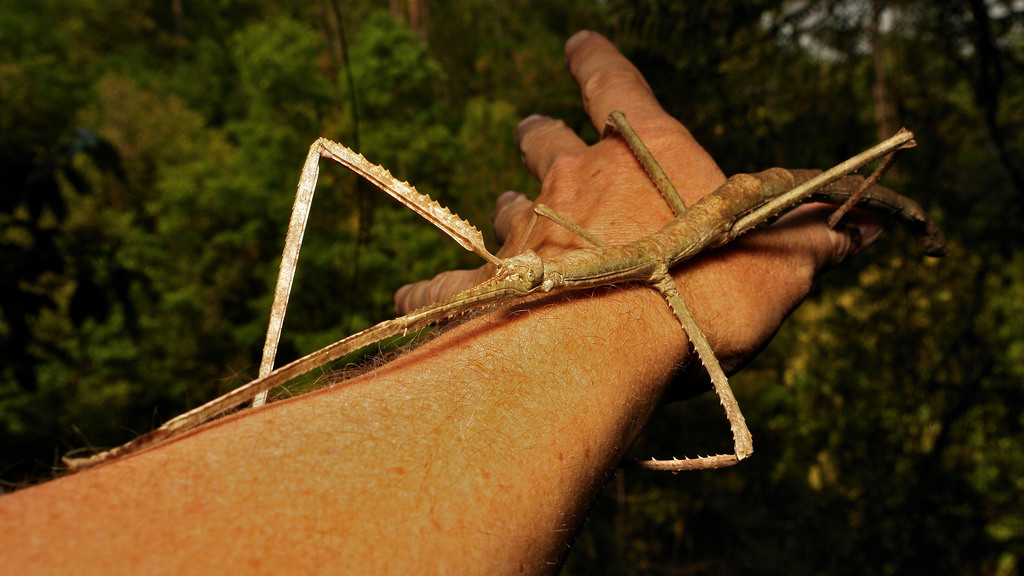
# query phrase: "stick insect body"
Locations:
[[740, 204]]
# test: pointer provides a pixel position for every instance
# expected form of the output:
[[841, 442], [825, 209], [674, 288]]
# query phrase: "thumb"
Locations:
[[831, 246], [445, 284]]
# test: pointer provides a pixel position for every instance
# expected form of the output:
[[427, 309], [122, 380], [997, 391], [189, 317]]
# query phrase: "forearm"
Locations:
[[480, 450]]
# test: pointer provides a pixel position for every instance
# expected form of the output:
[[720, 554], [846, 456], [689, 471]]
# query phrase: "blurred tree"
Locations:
[[52, 265]]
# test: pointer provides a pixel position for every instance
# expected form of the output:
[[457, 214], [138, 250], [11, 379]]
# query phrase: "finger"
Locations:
[[792, 252], [763, 277], [826, 246], [780, 262], [541, 140], [510, 210], [608, 81], [448, 283]]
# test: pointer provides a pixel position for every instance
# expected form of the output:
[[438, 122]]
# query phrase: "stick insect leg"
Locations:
[[741, 435], [742, 441], [569, 225], [289, 261], [902, 139], [460, 230], [617, 123], [521, 245], [836, 216], [743, 444]]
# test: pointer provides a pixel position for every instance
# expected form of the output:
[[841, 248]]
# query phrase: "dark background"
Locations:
[[149, 153]]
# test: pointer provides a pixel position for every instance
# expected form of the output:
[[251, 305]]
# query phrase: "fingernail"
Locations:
[[575, 40], [529, 121], [870, 230], [863, 229], [505, 198], [526, 123]]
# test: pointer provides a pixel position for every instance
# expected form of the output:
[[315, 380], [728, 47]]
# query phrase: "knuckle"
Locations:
[[541, 130], [610, 78], [564, 166]]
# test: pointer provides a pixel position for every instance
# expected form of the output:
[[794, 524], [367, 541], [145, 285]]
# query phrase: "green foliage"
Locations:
[[149, 165]]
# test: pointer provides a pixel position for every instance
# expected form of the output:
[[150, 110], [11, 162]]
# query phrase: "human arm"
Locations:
[[478, 452]]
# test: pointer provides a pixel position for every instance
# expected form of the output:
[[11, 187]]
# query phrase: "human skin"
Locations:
[[480, 451]]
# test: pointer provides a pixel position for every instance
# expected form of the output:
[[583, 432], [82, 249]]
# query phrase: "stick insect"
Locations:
[[743, 202]]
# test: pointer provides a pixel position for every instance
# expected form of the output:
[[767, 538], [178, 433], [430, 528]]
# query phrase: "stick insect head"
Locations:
[[524, 270]]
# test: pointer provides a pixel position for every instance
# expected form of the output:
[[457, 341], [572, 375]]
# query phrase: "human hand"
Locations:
[[740, 295]]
